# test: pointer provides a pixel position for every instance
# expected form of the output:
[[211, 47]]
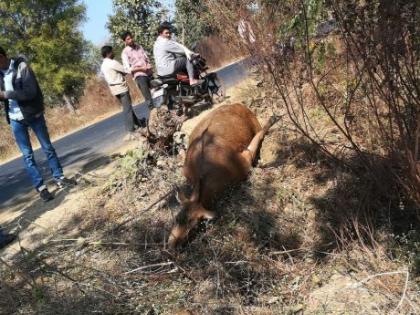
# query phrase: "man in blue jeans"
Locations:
[[24, 106]]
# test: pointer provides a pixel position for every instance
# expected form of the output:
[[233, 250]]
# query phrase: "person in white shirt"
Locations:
[[114, 73], [172, 57]]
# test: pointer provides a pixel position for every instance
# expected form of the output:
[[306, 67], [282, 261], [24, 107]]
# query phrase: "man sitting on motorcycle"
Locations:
[[172, 57]]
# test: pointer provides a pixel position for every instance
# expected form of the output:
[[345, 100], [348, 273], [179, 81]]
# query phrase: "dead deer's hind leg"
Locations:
[[251, 151]]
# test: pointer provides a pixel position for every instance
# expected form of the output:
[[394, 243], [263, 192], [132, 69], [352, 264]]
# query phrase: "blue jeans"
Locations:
[[20, 130]]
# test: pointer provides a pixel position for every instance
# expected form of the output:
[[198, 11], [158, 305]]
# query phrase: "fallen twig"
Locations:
[[380, 275], [236, 262], [149, 266], [287, 251], [404, 293], [53, 269], [403, 296], [144, 210]]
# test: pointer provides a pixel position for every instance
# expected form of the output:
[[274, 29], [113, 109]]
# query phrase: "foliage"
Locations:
[[92, 57], [140, 17], [47, 33], [361, 74], [191, 21]]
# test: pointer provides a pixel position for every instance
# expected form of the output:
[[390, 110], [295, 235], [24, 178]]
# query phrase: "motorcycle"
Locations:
[[177, 94]]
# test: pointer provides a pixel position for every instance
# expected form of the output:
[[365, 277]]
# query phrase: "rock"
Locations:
[[296, 309], [316, 280], [80, 241]]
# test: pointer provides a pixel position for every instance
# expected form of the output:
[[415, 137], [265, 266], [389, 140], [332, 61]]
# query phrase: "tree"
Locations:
[[47, 33], [190, 20], [140, 17]]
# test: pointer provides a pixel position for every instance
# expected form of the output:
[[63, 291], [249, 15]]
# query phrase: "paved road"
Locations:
[[87, 145]]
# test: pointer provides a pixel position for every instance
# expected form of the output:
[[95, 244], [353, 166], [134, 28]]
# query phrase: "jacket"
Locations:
[[26, 91]]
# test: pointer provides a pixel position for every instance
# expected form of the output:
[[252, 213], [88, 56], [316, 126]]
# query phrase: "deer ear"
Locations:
[[180, 196]]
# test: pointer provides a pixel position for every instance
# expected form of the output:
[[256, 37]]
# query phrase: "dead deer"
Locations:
[[221, 152]]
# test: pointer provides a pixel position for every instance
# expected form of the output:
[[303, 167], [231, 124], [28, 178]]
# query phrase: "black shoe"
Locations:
[[45, 195], [142, 123], [7, 239], [64, 182]]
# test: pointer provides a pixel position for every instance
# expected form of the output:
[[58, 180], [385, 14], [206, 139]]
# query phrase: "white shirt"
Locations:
[[114, 74], [165, 52], [14, 110]]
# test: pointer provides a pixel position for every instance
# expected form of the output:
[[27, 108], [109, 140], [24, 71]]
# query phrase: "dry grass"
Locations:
[[301, 235]]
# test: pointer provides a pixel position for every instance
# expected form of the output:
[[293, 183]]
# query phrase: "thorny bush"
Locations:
[[354, 63]]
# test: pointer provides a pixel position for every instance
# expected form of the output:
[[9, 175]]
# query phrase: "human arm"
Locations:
[[115, 65], [140, 68], [188, 52], [126, 64], [177, 48], [26, 85]]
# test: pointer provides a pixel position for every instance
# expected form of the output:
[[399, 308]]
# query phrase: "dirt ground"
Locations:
[[276, 248]]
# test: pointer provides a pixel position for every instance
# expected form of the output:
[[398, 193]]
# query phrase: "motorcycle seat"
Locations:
[[170, 80], [182, 77], [177, 76]]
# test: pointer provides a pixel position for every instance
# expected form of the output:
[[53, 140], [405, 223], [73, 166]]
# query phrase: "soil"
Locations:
[[270, 252]]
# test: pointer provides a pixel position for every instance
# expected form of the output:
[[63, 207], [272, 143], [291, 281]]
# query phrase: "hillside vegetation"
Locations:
[[281, 246], [326, 223]]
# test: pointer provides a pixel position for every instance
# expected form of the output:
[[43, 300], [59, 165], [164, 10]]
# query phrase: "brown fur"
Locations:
[[221, 151]]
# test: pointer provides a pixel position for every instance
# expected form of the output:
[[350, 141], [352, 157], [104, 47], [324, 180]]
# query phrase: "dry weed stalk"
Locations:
[[362, 79]]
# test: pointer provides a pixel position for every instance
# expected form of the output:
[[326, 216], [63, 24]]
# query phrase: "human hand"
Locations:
[[189, 54], [139, 68], [2, 96]]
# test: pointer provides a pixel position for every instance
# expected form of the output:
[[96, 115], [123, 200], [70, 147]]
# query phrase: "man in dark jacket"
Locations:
[[24, 106]]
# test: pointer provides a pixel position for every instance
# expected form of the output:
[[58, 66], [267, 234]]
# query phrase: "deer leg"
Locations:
[[251, 151]]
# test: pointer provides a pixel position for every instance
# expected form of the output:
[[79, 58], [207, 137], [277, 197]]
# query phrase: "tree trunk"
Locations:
[[69, 104]]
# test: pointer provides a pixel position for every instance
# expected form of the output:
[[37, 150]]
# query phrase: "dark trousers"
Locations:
[[182, 64], [129, 116], [143, 82]]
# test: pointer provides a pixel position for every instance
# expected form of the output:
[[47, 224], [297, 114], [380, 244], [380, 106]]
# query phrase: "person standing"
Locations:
[[24, 106], [136, 62], [114, 74]]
